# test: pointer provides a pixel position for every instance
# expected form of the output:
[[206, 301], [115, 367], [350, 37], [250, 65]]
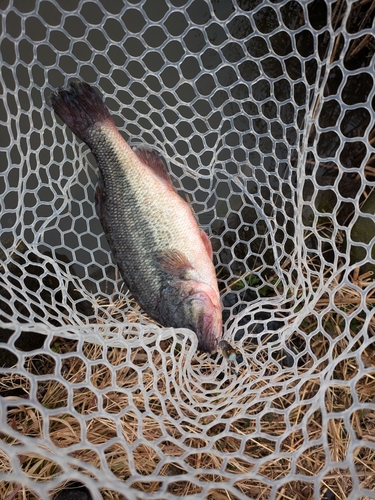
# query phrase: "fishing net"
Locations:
[[264, 112]]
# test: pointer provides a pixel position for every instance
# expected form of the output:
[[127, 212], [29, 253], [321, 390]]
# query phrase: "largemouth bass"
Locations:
[[163, 256]]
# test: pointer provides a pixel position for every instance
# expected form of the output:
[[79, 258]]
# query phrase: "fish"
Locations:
[[164, 257]]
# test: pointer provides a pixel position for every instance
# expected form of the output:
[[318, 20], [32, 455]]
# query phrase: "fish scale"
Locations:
[[163, 256]]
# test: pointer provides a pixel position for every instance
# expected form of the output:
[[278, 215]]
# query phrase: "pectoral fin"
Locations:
[[173, 262]]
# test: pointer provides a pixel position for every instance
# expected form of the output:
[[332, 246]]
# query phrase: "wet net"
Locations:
[[264, 112]]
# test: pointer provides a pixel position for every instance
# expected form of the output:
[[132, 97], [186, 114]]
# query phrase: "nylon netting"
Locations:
[[264, 112]]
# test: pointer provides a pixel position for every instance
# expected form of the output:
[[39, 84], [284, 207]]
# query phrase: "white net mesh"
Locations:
[[264, 112]]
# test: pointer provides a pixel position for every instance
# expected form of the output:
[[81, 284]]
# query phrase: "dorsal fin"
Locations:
[[153, 160]]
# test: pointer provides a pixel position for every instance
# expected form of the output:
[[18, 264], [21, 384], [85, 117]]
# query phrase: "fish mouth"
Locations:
[[209, 334], [208, 345]]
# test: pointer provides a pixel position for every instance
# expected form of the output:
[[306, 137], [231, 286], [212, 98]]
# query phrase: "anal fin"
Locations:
[[207, 244]]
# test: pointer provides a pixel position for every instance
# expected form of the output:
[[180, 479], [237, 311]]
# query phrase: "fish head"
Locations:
[[201, 312]]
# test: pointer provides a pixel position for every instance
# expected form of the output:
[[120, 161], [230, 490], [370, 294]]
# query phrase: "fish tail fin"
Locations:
[[80, 107]]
